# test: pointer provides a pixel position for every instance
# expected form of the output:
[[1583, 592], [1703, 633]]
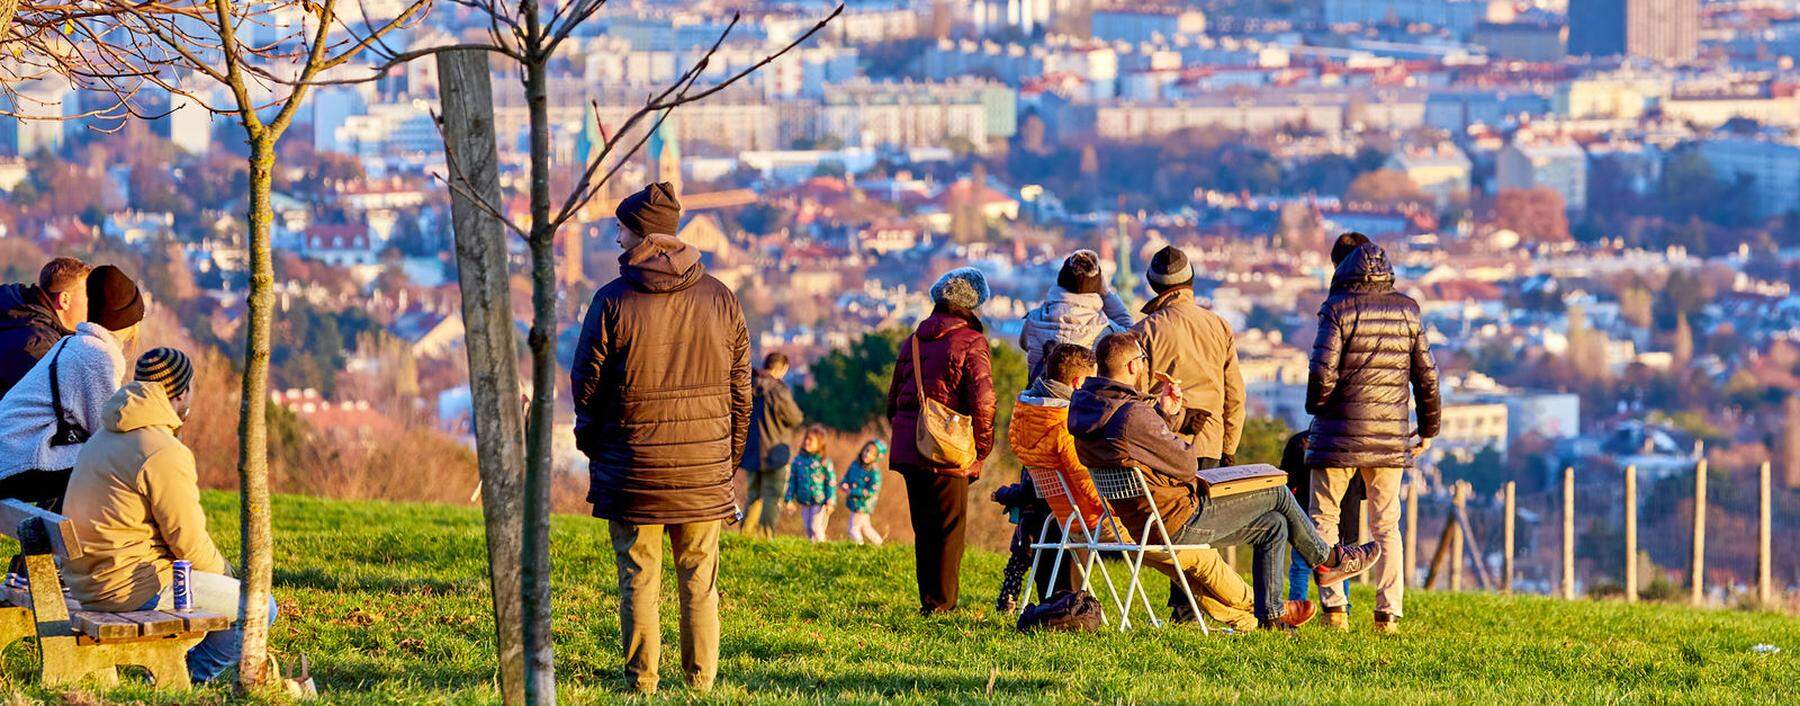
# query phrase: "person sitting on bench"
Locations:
[[134, 499], [1116, 425]]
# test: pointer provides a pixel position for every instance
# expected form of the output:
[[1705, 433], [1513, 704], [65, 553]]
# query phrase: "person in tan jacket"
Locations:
[[1196, 348], [134, 499]]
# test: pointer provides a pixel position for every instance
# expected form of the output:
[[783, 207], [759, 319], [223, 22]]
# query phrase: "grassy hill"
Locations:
[[389, 602]]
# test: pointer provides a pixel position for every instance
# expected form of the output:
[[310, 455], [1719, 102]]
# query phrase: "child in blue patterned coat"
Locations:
[[862, 483], [812, 484]]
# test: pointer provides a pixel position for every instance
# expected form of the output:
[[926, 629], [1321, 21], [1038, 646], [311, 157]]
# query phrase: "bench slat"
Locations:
[[60, 529], [104, 626], [206, 622], [155, 623]]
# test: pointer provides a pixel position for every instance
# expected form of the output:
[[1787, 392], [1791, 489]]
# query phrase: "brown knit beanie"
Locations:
[[651, 211]]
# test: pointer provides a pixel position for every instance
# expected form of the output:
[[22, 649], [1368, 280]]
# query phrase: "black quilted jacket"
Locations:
[[1370, 361]]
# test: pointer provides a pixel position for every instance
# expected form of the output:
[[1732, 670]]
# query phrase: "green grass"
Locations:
[[389, 601]]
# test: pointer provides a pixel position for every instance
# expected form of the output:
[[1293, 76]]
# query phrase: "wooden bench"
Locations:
[[76, 643]]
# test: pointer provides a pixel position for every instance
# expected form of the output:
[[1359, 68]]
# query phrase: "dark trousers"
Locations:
[[1019, 562], [44, 489], [939, 506], [1269, 520]]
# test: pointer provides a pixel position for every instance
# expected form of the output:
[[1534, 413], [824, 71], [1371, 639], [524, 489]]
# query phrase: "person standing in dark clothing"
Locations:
[[774, 417]]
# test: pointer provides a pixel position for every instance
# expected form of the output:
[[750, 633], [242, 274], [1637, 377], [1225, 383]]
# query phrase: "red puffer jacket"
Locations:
[[953, 349]]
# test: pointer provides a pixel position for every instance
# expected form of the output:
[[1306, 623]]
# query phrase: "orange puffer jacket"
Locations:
[[1039, 436]]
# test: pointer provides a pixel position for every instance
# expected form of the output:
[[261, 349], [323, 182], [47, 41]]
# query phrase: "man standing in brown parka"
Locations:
[[661, 381]]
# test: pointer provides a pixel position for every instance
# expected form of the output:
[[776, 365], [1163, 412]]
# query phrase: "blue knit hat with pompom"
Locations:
[[963, 287]]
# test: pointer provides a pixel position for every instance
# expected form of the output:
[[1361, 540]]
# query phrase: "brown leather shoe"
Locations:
[[1349, 561], [1299, 613], [1386, 624]]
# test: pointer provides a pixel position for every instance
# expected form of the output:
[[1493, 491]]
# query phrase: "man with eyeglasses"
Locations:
[[1119, 420]]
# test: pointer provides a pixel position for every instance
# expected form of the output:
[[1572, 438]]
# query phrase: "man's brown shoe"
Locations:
[[1299, 613], [1386, 624], [1349, 561]]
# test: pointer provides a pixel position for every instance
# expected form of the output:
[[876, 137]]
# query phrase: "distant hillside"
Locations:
[[389, 601]]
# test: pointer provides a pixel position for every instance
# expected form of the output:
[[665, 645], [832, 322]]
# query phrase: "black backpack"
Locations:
[[1074, 611]]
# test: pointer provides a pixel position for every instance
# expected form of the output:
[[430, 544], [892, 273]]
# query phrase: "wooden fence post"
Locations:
[[1412, 533], [1764, 584], [1506, 580], [1458, 496], [1568, 538], [1631, 544], [1697, 573]]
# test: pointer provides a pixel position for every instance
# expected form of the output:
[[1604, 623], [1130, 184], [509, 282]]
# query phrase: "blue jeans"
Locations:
[[212, 593], [1269, 520]]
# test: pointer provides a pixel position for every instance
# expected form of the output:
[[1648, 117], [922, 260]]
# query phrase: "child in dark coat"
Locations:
[[1027, 512]]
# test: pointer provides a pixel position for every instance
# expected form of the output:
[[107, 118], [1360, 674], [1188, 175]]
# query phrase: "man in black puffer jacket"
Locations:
[[1369, 363]]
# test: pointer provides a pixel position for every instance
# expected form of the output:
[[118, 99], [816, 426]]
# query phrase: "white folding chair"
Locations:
[[1128, 484], [1076, 535]]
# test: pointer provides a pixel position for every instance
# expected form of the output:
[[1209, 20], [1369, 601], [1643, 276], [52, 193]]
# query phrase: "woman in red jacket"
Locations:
[[954, 367]]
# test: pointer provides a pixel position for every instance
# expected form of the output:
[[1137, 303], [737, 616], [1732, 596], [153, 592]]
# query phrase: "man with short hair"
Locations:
[[1370, 364], [1118, 425], [662, 397], [774, 416], [1039, 435], [134, 499], [33, 317]]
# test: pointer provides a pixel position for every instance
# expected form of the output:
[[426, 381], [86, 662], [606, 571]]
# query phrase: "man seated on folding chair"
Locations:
[[1040, 438], [1117, 424]]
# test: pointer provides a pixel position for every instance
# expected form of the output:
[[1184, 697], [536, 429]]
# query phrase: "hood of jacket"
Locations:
[[1068, 311], [1090, 413], [1365, 271], [140, 405], [661, 264], [1167, 299], [1045, 392], [944, 322], [24, 303]]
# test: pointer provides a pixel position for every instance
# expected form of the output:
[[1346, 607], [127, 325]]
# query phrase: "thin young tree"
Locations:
[[197, 49], [530, 34]]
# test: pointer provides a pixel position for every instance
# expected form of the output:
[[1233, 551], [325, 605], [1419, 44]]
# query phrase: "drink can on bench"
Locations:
[[183, 574]]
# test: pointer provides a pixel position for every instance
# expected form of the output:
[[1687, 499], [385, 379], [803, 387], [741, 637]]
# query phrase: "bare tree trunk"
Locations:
[[253, 443], [468, 108], [540, 678]]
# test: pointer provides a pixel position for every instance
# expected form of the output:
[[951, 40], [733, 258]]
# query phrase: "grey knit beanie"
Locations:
[[1169, 268], [963, 287]]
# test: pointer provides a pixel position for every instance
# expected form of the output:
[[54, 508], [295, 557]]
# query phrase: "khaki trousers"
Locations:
[[1328, 486], [638, 551], [762, 502], [1221, 592]]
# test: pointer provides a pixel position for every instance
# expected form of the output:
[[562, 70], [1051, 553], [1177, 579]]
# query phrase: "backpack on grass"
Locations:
[[1065, 610]]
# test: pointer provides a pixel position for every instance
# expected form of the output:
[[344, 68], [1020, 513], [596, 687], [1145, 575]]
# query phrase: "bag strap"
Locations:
[[56, 385], [918, 371]]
